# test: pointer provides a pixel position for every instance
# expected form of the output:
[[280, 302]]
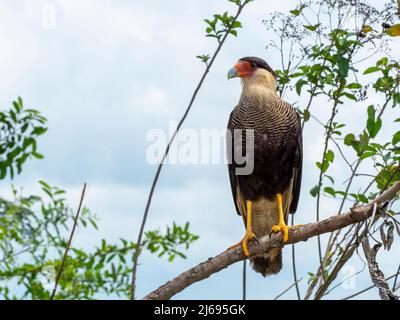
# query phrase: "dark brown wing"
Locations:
[[297, 170], [231, 165]]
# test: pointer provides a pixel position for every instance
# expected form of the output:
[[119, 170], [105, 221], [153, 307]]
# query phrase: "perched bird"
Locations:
[[265, 196]]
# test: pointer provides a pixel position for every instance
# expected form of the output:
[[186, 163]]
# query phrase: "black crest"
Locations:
[[259, 63]]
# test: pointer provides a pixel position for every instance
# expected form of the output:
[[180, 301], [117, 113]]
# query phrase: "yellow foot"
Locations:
[[244, 243], [285, 229]]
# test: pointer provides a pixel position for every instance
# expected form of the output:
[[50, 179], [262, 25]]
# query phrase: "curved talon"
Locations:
[[244, 243], [247, 237], [285, 230], [255, 238]]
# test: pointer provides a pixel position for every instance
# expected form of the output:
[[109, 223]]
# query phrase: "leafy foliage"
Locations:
[[327, 61], [33, 236], [34, 231], [19, 129]]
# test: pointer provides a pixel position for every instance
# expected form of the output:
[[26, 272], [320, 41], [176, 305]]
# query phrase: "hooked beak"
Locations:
[[232, 73]]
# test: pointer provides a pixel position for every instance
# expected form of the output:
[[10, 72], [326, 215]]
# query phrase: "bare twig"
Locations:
[[398, 9], [369, 288], [226, 258], [64, 258], [287, 289], [377, 276], [155, 180], [296, 281], [244, 279], [395, 279]]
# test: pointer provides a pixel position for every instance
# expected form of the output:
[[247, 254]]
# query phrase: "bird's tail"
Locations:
[[268, 263]]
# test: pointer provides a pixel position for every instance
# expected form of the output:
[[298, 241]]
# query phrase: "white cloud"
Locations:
[[152, 101], [20, 48], [107, 21]]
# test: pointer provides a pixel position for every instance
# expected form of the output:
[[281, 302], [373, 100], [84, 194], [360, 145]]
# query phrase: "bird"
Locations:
[[265, 196]]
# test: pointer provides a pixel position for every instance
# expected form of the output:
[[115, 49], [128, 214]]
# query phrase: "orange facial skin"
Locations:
[[244, 69]]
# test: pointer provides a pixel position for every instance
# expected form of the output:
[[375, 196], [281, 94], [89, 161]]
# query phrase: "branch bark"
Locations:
[[226, 258], [377, 276]]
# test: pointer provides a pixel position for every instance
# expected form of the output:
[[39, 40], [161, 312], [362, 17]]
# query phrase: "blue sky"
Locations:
[[106, 74]]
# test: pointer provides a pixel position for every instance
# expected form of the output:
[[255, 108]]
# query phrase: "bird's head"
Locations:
[[253, 71]]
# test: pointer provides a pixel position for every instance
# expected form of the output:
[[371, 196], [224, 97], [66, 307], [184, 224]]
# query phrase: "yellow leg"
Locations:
[[281, 224], [249, 235]]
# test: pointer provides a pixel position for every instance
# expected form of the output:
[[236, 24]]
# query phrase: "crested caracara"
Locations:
[[266, 196]]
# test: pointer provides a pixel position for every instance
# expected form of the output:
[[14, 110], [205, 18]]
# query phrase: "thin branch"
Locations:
[[296, 281], [64, 258], [287, 289], [398, 7], [377, 276], [244, 280], [369, 288], [155, 180], [395, 279], [321, 173], [344, 280], [228, 257]]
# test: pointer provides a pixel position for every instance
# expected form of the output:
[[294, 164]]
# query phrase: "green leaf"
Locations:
[[295, 12], [372, 130], [371, 70], [384, 61], [234, 32], [237, 24], [362, 198], [37, 155], [350, 96], [330, 156], [371, 112], [344, 66], [396, 99], [396, 138], [312, 28], [330, 178], [325, 166], [306, 115], [45, 184], [349, 139], [367, 154], [38, 131], [299, 85], [330, 191], [315, 190], [237, 2], [354, 86], [373, 126]]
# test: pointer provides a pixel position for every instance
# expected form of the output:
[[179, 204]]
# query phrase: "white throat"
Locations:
[[261, 83]]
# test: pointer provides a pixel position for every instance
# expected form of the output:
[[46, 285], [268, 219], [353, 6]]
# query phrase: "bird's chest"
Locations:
[[265, 128]]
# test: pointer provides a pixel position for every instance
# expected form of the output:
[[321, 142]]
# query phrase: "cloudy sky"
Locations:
[[104, 73]]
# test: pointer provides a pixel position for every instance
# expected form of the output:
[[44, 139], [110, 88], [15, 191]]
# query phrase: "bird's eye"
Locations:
[[254, 65]]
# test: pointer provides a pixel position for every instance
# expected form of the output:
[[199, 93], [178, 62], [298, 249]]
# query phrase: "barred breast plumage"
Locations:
[[276, 128]]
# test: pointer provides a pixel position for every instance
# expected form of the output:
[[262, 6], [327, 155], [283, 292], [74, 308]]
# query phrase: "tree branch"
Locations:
[[377, 276], [172, 139], [228, 257]]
